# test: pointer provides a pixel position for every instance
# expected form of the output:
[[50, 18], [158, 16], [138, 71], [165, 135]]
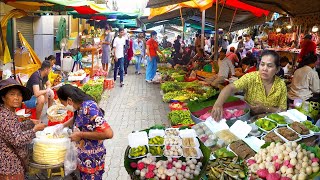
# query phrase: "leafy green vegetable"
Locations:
[[180, 117], [313, 149]]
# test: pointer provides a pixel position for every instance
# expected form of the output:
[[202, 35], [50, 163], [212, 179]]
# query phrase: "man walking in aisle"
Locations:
[[118, 46]]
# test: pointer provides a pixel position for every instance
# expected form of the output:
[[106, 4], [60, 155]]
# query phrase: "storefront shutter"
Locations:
[[25, 26]]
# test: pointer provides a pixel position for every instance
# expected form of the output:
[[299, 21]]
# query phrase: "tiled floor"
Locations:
[[137, 105]]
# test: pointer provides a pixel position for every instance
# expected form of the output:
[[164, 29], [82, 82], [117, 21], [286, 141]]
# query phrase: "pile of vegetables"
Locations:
[[283, 161], [100, 72], [195, 94], [94, 89], [171, 169], [167, 54], [180, 117]]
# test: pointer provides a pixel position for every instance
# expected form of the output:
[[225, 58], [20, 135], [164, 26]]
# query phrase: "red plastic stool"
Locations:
[[32, 111]]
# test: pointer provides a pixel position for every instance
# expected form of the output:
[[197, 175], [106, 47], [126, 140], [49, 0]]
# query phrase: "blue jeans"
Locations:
[[119, 63], [31, 103], [151, 68], [138, 62]]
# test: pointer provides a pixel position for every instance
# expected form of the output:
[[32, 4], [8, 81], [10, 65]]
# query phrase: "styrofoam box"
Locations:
[[235, 128], [156, 132], [138, 139], [187, 133], [254, 142], [294, 115]]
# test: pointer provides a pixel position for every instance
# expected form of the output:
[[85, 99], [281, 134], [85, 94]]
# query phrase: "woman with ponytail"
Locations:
[[89, 130]]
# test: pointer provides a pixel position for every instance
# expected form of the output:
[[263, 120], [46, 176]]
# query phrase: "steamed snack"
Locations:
[[158, 140], [226, 136], [242, 149], [172, 132], [288, 160], [188, 142], [278, 118], [272, 137], [172, 151], [205, 134], [266, 124], [172, 140], [190, 152], [288, 134], [138, 151], [300, 128]]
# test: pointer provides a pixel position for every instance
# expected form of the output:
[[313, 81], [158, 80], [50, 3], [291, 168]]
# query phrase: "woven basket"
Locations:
[[54, 116]]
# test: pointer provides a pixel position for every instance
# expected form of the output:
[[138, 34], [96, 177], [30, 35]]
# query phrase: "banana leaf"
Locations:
[[197, 106], [205, 160]]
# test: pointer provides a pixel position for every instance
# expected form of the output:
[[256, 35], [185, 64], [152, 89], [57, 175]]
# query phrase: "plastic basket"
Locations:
[[54, 116]]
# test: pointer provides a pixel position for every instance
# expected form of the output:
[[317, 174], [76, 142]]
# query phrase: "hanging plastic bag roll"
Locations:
[[71, 159]]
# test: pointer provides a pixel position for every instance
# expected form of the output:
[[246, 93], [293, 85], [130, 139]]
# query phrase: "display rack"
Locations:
[[94, 52]]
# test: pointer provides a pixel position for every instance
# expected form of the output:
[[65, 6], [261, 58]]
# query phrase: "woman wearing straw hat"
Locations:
[[14, 135]]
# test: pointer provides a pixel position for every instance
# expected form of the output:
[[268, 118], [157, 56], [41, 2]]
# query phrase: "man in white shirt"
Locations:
[[305, 83], [118, 46], [248, 44]]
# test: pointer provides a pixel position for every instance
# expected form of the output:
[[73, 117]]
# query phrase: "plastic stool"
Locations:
[[50, 173]]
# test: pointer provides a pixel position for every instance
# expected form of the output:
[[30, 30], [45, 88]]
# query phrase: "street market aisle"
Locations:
[[135, 106]]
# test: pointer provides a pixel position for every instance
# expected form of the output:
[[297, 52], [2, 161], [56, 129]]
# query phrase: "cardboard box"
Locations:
[[21, 58]]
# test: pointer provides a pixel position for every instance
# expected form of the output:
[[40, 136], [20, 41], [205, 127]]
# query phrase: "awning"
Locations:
[[205, 4], [108, 15], [242, 19], [161, 3], [82, 7], [292, 7]]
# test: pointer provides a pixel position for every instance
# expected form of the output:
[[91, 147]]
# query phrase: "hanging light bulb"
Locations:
[[289, 26], [278, 30], [315, 29]]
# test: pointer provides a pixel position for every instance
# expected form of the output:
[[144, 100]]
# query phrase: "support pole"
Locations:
[[202, 28], [217, 32]]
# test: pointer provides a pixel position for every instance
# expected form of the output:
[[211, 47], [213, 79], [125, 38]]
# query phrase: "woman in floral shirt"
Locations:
[[90, 129], [14, 135]]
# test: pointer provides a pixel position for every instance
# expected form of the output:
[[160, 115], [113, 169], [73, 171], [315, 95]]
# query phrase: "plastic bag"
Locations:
[[71, 159], [157, 78]]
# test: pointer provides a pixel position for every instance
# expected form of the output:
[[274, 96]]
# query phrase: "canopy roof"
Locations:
[[161, 3], [205, 4], [241, 20], [289, 7]]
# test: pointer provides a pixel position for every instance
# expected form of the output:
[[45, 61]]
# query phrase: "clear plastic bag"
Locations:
[[71, 159]]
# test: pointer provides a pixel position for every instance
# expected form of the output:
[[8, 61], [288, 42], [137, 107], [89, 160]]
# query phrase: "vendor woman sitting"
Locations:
[[14, 135], [264, 91]]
